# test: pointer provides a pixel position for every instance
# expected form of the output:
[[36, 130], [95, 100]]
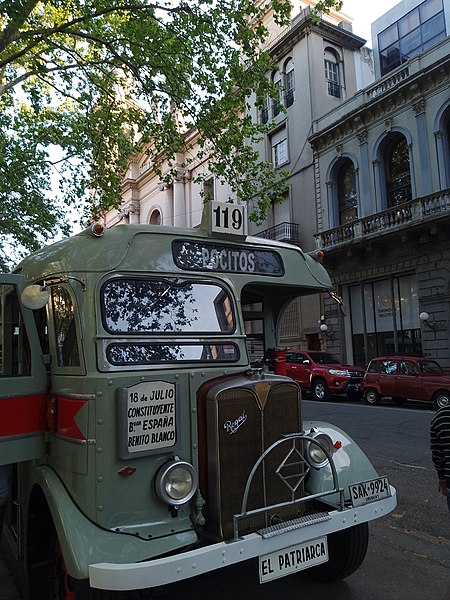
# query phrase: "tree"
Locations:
[[84, 83]]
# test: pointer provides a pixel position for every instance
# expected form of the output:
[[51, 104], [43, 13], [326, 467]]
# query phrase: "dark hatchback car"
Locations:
[[406, 377], [324, 374]]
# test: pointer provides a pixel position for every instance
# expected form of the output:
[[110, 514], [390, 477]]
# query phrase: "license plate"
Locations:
[[369, 491], [292, 559]]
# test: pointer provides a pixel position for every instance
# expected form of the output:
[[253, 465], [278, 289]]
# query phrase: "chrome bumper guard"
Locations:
[[303, 470]]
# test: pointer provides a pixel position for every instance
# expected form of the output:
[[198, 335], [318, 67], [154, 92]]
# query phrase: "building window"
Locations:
[[279, 147], [415, 32], [264, 116], [347, 196], [385, 318], [332, 74], [398, 175], [276, 102], [155, 218], [289, 83]]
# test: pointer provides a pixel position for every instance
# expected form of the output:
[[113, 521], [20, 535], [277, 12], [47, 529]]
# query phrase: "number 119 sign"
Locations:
[[228, 218]]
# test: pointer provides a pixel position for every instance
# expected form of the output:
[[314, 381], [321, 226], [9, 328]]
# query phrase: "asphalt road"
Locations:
[[409, 550]]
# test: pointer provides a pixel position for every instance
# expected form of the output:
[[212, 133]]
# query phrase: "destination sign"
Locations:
[[198, 256], [150, 417]]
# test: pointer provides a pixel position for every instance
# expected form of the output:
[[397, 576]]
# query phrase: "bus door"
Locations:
[[23, 377]]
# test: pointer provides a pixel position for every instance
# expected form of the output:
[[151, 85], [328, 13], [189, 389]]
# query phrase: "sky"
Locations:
[[364, 12]]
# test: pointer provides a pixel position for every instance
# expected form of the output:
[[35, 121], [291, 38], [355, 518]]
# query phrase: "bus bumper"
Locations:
[[163, 571]]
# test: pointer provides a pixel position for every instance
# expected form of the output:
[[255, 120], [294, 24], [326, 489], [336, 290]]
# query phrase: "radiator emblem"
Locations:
[[232, 426]]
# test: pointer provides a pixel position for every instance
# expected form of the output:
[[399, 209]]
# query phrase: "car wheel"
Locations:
[[442, 399], [399, 400], [320, 390], [372, 397], [347, 550]]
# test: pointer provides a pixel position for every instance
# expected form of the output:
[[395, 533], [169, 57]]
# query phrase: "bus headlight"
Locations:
[[317, 455], [176, 482]]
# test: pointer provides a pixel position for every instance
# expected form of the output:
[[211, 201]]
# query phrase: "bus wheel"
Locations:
[[346, 550], [64, 587]]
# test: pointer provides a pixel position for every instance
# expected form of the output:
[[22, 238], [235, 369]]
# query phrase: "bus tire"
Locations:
[[64, 587], [346, 550]]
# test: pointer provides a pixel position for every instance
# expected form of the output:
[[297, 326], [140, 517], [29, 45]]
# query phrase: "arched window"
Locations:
[[289, 82], [397, 168], [155, 218], [332, 75], [347, 194], [276, 102]]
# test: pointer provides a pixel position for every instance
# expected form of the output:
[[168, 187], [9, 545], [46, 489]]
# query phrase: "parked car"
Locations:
[[403, 377], [324, 374]]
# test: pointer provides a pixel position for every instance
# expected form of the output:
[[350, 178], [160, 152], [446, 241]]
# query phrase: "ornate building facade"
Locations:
[[365, 137], [382, 186]]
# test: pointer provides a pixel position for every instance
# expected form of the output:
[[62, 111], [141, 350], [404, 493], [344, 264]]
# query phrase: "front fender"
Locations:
[[352, 465], [84, 543]]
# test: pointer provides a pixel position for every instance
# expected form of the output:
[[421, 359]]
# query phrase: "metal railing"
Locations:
[[283, 232], [397, 217]]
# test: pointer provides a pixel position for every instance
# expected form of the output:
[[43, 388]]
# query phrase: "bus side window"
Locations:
[[15, 355], [65, 328]]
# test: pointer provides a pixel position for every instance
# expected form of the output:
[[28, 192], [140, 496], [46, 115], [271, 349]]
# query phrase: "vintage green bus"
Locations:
[[149, 441]]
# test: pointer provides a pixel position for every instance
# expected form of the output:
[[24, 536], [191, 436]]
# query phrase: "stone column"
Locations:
[[421, 124]]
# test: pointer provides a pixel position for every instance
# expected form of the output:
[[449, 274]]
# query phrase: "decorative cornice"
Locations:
[[382, 105], [419, 106]]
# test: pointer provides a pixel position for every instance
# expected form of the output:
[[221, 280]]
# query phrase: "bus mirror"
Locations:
[[35, 297]]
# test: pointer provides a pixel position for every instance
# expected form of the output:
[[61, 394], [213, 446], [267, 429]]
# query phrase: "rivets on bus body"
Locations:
[[99, 478], [110, 382], [100, 507], [203, 374], [177, 376], [99, 393], [192, 375], [99, 450], [99, 421]]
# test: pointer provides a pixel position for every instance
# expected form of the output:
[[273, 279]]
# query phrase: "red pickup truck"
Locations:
[[324, 374]]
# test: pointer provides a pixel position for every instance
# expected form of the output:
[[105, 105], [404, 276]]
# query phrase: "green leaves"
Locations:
[[80, 78]]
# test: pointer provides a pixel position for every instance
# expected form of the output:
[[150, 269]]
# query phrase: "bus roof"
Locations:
[[159, 249]]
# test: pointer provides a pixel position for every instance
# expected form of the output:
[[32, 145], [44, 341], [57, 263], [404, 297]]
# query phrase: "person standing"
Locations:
[[440, 449]]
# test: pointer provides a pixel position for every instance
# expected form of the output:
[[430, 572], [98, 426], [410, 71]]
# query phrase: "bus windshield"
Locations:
[[160, 307]]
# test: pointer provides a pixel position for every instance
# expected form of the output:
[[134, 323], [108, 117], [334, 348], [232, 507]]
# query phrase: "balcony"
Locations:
[[283, 232], [421, 211], [334, 89]]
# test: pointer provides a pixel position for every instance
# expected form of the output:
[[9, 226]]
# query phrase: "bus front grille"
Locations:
[[243, 419]]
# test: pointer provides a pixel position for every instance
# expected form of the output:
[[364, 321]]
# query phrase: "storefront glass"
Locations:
[[385, 319]]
